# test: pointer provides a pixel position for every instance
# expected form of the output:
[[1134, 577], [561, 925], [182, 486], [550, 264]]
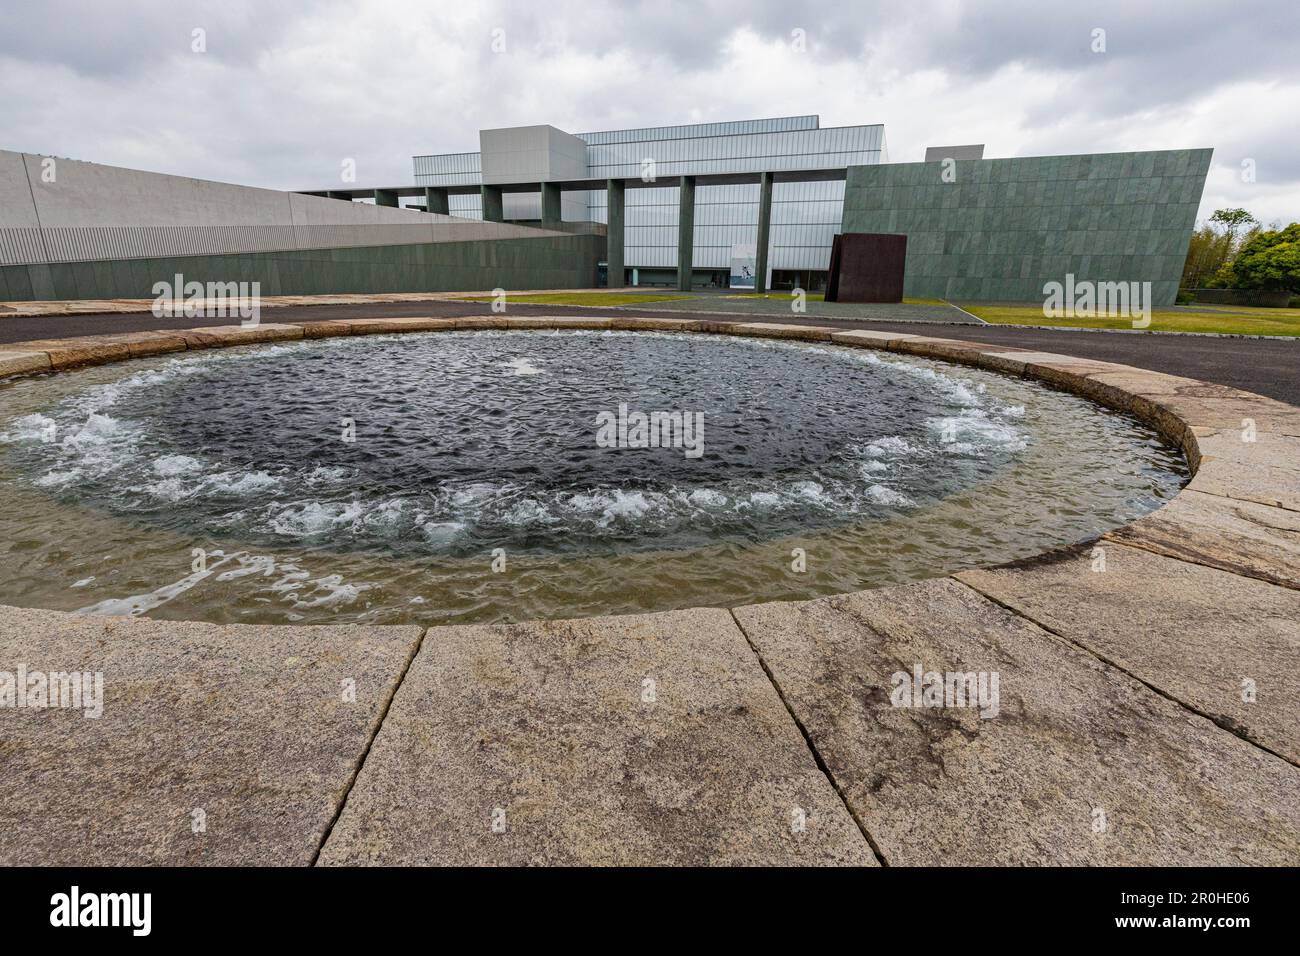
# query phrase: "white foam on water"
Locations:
[[891, 446], [328, 591], [707, 498], [58, 479], [887, 496], [34, 427], [136, 604], [187, 482], [169, 489], [170, 466], [249, 565], [977, 432], [617, 505], [96, 431], [522, 366], [244, 483], [311, 518], [385, 517], [811, 490], [441, 533], [295, 586], [329, 475], [529, 511], [470, 494]]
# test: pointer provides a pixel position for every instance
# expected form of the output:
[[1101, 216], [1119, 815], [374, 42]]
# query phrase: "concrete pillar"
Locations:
[[386, 197], [551, 212], [435, 200], [614, 242], [685, 232], [764, 232], [493, 208]]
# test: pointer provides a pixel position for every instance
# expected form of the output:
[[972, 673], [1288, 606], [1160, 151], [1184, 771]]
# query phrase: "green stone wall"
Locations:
[[1005, 227], [549, 262]]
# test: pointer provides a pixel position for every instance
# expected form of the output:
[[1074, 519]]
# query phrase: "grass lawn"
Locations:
[[580, 298], [819, 297], [1238, 320], [784, 296]]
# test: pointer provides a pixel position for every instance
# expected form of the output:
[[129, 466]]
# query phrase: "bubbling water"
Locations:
[[411, 477]]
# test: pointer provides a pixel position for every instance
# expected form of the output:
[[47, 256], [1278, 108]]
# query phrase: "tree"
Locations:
[[1207, 253], [1233, 219], [1268, 260], [1210, 249]]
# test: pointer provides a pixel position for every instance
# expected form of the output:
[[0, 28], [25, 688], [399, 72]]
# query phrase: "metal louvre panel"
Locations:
[[810, 149], [776, 124], [21, 245], [448, 169], [85, 243], [800, 257]]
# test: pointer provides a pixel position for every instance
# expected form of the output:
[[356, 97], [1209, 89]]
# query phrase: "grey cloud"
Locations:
[[100, 39], [116, 83]]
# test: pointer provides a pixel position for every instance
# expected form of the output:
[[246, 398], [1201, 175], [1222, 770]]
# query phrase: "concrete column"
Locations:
[[435, 200], [614, 241], [551, 212], [493, 209], [386, 197], [764, 232], [685, 232]]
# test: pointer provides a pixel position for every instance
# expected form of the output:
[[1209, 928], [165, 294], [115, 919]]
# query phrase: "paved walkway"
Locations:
[[1145, 712]]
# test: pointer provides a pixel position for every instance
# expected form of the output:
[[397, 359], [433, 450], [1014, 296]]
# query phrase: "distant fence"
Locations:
[[1267, 298]]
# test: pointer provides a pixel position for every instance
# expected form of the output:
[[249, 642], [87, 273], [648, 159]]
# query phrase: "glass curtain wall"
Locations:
[[805, 216]]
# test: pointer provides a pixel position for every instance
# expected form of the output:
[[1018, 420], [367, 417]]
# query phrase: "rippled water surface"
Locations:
[[477, 476]]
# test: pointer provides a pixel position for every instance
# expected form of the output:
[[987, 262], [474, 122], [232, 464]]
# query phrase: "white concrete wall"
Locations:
[[568, 155], [524, 154], [89, 211], [20, 234]]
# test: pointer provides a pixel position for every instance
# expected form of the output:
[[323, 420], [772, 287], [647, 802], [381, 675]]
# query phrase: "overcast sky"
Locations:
[[285, 92]]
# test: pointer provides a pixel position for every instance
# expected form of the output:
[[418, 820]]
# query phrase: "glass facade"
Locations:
[[655, 133], [449, 169], [805, 216]]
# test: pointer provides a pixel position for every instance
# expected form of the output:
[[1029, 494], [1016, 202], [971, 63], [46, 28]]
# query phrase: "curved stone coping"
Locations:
[[1148, 683]]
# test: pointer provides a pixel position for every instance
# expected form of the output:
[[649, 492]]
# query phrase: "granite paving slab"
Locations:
[[645, 739], [1077, 764], [1223, 644], [214, 745]]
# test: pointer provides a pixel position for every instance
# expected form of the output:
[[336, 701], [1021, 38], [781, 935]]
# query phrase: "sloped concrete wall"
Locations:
[[545, 262], [63, 210], [20, 229]]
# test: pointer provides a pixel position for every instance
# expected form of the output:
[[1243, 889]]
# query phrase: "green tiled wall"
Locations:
[[548, 262], [1005, 227]]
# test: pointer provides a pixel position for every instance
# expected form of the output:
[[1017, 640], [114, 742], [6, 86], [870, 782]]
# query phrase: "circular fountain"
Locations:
[[497, 475]]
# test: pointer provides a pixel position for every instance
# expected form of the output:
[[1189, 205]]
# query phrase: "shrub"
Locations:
[[1268, 260]]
